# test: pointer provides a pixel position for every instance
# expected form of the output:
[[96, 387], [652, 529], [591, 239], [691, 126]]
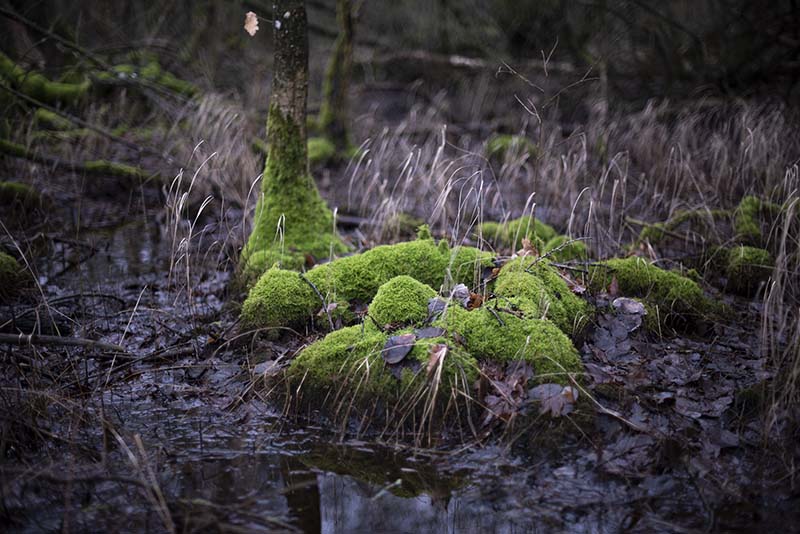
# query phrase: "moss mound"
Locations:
[[401, 300], [747, 268], [561, 248], [537, 289], [356, 279], [673, 298], [511, 233]]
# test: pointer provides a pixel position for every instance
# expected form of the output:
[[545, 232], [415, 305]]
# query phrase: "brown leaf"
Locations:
[[613, 287], [436, 357], [475, 301], [527, 248], [554, 399], [251, 23], [398, 347]]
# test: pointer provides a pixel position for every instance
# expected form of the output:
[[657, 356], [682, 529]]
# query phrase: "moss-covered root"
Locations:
[[11, 276], [292, 220], [748, 268], [150, 72], [35, 85], [99, 167], [673, 299], [283, 298], [511, 233], [538, 291]]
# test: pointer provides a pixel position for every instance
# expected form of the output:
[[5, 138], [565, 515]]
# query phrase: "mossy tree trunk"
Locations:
[[336, 86], [292, 223]]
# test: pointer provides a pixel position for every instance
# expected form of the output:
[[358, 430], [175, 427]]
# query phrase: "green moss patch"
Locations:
[[511, 233], [504, 145], [539, 291], [320, 150], [401, 300], [747, 268], [284, 298], [12, 276], [16, 196], [37, 86], [562, 248], [672, 298]]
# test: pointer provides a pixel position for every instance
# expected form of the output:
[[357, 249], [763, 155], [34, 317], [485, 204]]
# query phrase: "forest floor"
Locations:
[[174, 434]]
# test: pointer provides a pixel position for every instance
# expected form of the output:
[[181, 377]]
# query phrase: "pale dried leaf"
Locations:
[[251, 23], [437, 353]]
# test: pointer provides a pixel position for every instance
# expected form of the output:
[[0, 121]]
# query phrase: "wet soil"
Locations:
[[176, 435]]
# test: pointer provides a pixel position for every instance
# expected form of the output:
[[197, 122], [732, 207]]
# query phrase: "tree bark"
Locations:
[[336, 86]]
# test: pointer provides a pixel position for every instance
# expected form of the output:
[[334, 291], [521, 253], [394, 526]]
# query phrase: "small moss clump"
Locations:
[[356, 279], [19, 197], [511, 233], [675, 299], [539, 291], [401, 301], [562, 248], [320, 150], [748, 218], [505, 145], [11, 276], [748, 268], [51, 120]]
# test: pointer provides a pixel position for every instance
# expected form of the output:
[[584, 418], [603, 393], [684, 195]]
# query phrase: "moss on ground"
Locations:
[[502, 145], [562, 248], [539, 291], [292, 220], [356, 279], [747, 268], [672, 298], [510, 233], [11, 276], [51, 120], [401, 301], [748, 218], [16, 196], [320, 150]]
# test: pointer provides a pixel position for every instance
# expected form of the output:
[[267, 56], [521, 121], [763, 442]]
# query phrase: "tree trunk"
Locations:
[[336, 86], [293, 226]]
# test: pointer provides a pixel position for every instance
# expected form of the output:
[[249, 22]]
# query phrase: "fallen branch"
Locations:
[[22, 340], [100, 166]]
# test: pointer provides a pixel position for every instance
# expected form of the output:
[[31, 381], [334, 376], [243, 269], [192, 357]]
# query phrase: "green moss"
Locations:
[[259, 146], [152, 72], [748, 219], [291, 219], [349, 363], [111, 168], [320, 150], [11, 276], [511, 233], [656, 232], [499, 335], [565, 249], [504, 145], [17, 196], [357, 279], [401, 300], [748, 268], [37, 86], [53, 121], [540, 292], [673, 298]]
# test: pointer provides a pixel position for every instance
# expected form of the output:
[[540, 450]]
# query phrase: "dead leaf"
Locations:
[[527, 248], [437, 353], [554, 399], [251, 23], [429, 332], [475, 301], [613, 287], [398, 347]]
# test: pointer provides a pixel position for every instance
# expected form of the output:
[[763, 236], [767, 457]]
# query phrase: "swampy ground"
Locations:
[[162, 414]]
